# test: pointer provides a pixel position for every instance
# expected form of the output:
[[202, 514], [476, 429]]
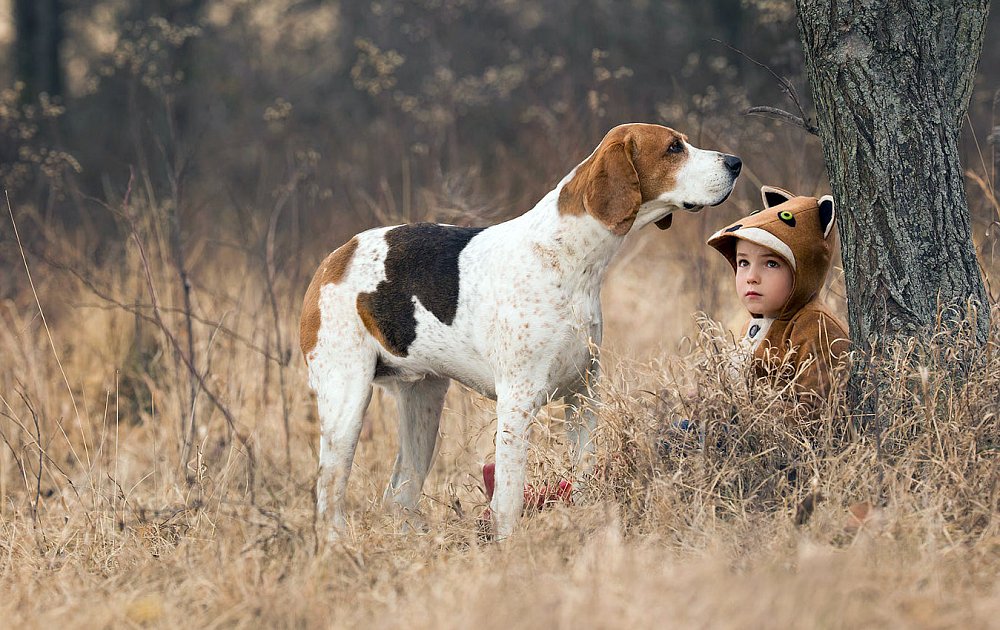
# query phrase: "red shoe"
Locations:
[[489, 479], [537, 499]]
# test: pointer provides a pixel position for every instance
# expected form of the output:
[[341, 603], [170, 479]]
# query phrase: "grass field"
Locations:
[[107, 519]]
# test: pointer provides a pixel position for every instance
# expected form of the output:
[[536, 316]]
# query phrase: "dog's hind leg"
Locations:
[[420, 404], [343, 390]]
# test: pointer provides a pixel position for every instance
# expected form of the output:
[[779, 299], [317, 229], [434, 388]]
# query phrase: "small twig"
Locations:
[[779, 114], [17, 459], [41, 459], [52, 344], [138, 308], [786, 85], [802, 121], [269, 275], [988, 188], [24, 430], [121, 495], [158, 320]]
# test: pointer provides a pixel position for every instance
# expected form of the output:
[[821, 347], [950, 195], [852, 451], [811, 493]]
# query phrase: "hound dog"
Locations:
[[512, 311]]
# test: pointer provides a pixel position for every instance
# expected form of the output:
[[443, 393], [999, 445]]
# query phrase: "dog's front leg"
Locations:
[[580, 424], [581, 421], [514, 415]]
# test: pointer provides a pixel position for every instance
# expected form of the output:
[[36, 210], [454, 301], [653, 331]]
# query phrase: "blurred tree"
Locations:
[[38, 24], [891, 81]]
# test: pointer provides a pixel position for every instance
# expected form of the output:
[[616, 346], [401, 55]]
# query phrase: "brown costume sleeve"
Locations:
[[821, 346]]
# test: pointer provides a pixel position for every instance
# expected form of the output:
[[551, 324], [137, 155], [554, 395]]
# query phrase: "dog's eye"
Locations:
[[676, 147]]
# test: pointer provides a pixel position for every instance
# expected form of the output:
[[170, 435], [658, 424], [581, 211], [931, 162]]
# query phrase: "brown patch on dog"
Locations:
[[331, 271], [365, 305], [633, 164]]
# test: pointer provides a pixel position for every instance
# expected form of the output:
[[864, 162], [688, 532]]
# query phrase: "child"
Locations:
[[781, 256]]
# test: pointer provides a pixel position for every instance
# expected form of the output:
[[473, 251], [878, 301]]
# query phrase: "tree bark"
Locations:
[[891, 81]]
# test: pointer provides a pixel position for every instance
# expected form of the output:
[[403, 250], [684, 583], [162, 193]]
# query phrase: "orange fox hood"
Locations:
[[796, 228]]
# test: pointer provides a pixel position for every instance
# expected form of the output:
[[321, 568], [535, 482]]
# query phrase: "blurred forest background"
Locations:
[[348, 114]]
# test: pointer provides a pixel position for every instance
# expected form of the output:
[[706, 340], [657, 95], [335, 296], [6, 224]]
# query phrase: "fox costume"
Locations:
[[805, 337]]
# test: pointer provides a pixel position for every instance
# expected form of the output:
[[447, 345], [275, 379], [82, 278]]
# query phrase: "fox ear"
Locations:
[[826, 214], [773, 196]]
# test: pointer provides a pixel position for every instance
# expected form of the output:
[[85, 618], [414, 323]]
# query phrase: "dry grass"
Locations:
[[103, 524]]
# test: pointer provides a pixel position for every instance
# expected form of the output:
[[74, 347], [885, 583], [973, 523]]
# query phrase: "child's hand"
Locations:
[[689, 394]]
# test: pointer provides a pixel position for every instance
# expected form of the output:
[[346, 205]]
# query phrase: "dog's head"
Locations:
[[642, 173]]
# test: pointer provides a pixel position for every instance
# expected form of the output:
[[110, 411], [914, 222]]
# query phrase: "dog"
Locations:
[[512, 311]]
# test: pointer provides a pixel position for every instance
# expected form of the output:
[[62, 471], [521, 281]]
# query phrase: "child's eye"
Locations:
[[742, 263], [773, 264]]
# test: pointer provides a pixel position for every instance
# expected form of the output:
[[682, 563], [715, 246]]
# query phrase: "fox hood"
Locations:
[[796, 228]]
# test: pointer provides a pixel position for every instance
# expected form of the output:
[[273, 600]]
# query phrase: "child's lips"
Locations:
[[752, 294]]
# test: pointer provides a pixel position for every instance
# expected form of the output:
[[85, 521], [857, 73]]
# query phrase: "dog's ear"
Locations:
[[772, 196], [665, 222], [612, 193], [827, 214]]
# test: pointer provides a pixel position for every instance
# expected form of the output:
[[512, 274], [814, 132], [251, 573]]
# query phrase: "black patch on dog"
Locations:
[[734, 228], [422, 261]]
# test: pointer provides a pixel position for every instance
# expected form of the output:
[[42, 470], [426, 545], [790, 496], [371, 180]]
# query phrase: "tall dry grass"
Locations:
[[104, 521]]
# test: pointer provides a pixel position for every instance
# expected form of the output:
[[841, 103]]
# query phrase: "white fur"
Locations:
[[527, 323], [703, 181]]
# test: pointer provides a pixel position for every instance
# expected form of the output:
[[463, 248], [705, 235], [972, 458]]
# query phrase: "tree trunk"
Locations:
[[891, 81], [39, 35]]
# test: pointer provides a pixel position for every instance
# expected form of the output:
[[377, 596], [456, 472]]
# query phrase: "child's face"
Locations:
[[763, 279]]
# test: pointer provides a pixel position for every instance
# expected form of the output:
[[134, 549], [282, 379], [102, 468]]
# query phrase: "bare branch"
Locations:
[[138, 309], [158, 319], [779, 114], [786, 85]]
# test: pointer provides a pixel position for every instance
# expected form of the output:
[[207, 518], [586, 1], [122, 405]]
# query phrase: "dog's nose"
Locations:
[[734, 164]]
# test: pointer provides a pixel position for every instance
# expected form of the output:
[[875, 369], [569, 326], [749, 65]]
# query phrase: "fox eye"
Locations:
[[676, 147], [787, 217]]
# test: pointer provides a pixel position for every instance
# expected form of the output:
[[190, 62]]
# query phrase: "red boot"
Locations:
[[533, 499]]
